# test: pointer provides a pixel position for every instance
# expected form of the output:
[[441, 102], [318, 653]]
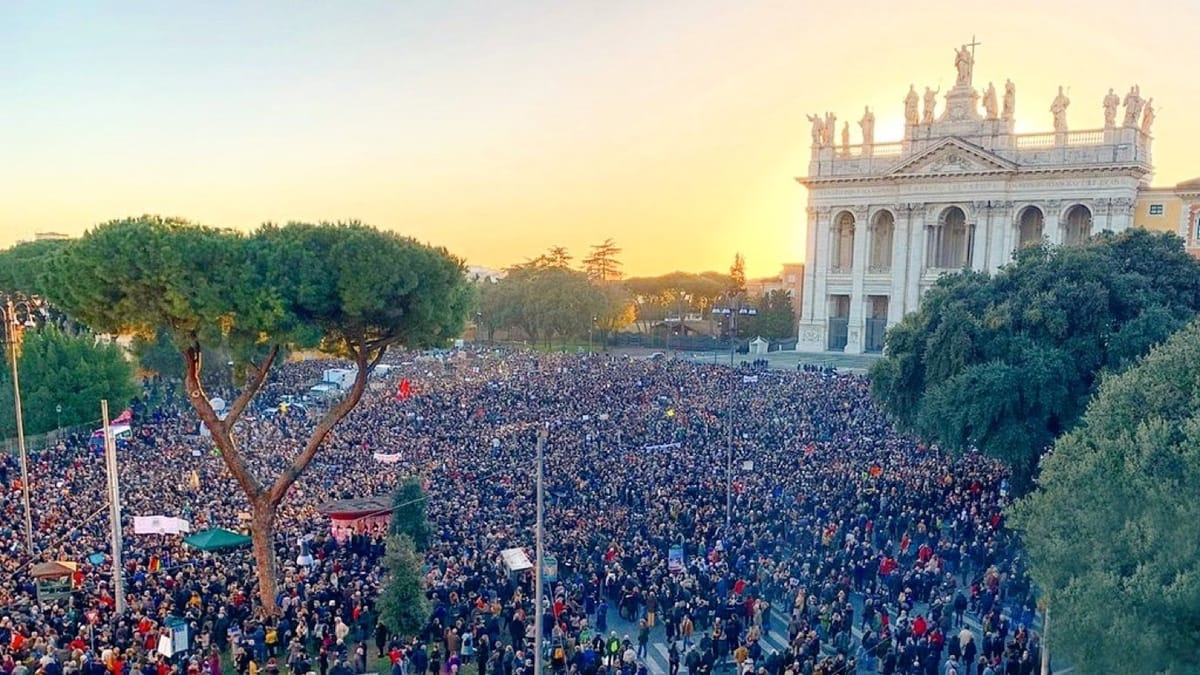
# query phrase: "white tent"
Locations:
[[759, 346]]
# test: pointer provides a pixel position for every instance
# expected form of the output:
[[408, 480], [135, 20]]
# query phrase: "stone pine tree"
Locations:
[[1112, 528], [346, 288]]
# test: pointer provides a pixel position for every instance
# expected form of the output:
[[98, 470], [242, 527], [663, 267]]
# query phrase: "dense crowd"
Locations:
[[798, 508]]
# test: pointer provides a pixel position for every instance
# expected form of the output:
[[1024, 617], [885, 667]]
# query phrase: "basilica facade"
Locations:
[[961, 190]]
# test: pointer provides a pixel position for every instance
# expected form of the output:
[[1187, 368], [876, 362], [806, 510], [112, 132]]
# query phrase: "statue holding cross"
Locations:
[[964, 62]]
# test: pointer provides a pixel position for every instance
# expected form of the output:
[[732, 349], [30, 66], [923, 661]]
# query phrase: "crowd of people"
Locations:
[[699, 507]]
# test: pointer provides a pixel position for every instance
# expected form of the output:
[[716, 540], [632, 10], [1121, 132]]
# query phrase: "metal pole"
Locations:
[[729, 464], [114, 511], [1045, 639], [732, 334], [10, 319], [537, 594]]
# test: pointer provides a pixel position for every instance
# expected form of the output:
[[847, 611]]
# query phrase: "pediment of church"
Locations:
[[952, 156]]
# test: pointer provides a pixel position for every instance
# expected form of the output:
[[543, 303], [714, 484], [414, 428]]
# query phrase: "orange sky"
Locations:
[[499, 129]]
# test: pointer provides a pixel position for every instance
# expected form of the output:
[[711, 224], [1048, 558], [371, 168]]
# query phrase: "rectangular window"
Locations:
[[1156, 209]]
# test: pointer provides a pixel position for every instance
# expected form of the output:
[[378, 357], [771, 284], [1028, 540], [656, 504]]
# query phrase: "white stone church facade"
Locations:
[[960, 191]]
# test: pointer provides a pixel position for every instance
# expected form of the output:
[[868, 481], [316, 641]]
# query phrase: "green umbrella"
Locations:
[[216, 539]]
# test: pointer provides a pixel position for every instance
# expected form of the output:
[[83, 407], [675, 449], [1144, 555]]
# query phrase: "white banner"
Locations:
[[160, 525], [387, 459]]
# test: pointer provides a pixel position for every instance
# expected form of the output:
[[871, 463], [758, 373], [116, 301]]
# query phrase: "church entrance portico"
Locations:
[[961, 191]]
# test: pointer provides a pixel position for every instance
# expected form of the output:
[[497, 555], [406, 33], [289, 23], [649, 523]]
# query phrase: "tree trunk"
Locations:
[[263, 535]]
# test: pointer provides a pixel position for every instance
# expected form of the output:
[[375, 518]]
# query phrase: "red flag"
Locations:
[[404, 390], [125, 417]]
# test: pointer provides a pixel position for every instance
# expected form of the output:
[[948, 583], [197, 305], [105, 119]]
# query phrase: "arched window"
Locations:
[[882, 229], [949, 241], [1079, 225], [842, 257], [1030, 226]]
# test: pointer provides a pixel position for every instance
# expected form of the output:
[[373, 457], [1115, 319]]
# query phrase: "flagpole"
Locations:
[[114, 506]]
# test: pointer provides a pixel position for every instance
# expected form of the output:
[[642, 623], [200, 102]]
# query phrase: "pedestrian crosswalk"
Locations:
[[658, 652]]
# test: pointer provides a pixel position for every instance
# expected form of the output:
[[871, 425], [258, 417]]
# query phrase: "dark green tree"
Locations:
[[21, 266], [545, 301], [776, 320], [1007, 363], [403, 605], [1112, 528], [409, 518], [72, 371], [347, 288]]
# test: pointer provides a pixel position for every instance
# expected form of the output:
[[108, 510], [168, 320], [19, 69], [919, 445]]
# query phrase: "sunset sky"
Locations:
[[498, 129]]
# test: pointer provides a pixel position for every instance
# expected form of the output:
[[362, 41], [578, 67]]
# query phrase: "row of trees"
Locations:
[[545, 298], [1007, 364]]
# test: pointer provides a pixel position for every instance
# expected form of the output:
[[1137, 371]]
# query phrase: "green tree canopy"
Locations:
[[776, 320], [409, 518], [59, 369], [545, 300], [21, 266], [346, 287], [403, 606], [1112, 529], [678, 292], [1007, 363]]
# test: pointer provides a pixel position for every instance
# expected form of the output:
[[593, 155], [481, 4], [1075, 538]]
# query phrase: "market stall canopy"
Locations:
[[353, 509], [53, 570], [216, 539]]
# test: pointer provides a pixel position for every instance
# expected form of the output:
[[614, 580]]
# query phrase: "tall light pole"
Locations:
[[540, 555], [10, 320], [731, 313]]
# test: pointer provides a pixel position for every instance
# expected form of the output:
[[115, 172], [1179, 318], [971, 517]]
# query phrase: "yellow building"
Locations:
[[1172, 209]]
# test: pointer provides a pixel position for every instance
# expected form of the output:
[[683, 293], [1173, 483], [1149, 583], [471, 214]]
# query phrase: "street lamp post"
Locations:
[[10, 321], [58, 415], [731, 313]]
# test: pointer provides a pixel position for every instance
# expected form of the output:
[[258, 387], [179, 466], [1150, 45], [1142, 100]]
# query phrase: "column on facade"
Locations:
[[1122, 214], [898, 303], [1003, 234], [812, 258], [820, 304], [856, 332], [982, 228], [1102, 216], [1051, 225], [916, 258]]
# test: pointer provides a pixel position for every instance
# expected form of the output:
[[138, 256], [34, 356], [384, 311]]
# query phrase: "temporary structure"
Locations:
[[216, 539], [347, 516], [53, 570]]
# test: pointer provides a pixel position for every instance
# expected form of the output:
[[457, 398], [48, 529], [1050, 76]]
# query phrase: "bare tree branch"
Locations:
[[251, 388], [327, 423]]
